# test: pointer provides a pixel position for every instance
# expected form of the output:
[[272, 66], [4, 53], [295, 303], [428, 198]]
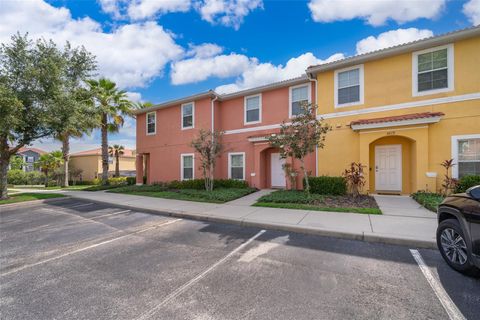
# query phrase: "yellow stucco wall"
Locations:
[[389, 82], [92, 165]]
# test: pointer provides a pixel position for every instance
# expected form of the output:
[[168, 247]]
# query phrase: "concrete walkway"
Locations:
[[412, 228]]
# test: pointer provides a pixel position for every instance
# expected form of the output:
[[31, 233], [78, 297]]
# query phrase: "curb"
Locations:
[[363, 236], [26, 203]]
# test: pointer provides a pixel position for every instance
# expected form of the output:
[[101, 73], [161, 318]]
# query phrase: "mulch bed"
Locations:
[[362, 201]]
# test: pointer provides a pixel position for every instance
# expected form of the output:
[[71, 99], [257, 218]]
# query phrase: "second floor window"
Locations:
[[348, 87], [151, 123], [432, 70], [253, 110], [188, 115], [299, 98]]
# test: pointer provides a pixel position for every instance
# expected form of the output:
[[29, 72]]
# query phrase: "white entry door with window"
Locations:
[[388, 168], [277, 173]]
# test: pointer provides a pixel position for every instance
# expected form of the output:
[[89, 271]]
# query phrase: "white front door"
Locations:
[[388, 168], [277, 173]]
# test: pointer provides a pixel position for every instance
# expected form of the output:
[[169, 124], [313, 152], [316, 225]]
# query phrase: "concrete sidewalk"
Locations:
[[393, 227]]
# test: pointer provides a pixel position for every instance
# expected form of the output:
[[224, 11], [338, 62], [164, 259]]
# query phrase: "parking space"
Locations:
[[74, 259]]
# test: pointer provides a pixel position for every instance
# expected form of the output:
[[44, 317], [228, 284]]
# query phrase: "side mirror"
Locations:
[[474, 192]]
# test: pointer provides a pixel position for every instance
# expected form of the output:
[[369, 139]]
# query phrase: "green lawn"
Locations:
[[300, 200], [14, 198], [219, 195], [428, 200]]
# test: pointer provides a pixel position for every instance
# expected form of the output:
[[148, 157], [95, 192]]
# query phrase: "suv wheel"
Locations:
[[454, 247]]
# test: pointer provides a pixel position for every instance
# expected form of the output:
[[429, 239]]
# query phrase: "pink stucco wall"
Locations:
[[170, 141]]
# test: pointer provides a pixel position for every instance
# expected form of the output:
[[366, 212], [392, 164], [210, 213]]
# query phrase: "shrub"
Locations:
[[466, 182], [355, 178], [16, 177], [96, 181], [428, 200], [230, 183], [34, 177], [336, 186], [118, 181], [82, 182], [131, 180]]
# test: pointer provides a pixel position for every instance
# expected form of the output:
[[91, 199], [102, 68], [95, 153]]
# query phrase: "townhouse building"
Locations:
[[399, 111], [402, 111], [247, 118]]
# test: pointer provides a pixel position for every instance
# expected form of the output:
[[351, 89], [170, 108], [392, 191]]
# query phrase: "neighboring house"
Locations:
[[30, 156], [90, 162], [399, 111], [247, 118]]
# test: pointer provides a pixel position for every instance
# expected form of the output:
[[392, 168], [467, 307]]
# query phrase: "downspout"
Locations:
[[213, 112], [315, 102]]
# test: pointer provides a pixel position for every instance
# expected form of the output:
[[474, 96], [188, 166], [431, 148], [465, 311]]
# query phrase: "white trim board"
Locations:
[[406, 105]]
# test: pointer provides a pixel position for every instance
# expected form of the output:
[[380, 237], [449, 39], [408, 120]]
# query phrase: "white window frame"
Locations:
[[29, 159], [309, 89], [455, 150], [183, 155], [155, 122], [361, 80], [245, 122], [193, 115], [230, 154], [450, 71]]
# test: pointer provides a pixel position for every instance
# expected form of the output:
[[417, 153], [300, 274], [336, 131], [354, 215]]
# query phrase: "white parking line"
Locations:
[[110, 214], [87, 248], [453, 312], [199, 277]]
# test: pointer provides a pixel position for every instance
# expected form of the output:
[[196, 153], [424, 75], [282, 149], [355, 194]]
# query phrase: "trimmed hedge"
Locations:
[[335, 186], [199, 184], [466, 182], [20, 177]]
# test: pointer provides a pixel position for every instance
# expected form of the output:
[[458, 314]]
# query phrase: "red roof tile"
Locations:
[[403, 117], [24, 149]]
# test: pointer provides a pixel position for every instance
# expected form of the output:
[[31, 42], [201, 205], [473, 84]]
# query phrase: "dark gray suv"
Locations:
[[458, 232]]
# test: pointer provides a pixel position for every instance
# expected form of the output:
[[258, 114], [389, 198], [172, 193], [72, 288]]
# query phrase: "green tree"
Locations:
[[208, 145], [116, 151], [73, 106], [16, 163], [49, 162], [112, 106], [30, 79], [300, 137]]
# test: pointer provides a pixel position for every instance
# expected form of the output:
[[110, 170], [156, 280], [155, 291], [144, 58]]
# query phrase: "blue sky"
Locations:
[[164, 49]]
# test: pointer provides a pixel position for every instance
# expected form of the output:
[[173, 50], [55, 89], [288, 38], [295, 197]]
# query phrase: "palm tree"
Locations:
[[112, 105], [48, 162], [116, 151]]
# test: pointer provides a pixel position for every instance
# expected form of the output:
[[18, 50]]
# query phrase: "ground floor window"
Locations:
[[466, 154], [187, 166], [236, 165]]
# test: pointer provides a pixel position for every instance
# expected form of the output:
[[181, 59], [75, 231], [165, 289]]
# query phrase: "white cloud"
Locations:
[[198, 69], [204, 50], [141, 9], [258, 74], [375, 12], [132, 54], [111, 7], [391, 38], [472, 10], [227, 12], [134, 96]]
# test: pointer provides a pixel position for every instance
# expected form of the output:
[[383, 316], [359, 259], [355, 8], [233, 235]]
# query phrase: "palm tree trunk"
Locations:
[[46, 178], [117, 165], [104, 149], [66, 158]]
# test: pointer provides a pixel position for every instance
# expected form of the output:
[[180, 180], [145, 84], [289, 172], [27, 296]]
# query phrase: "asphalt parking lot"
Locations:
[[73, 259]]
